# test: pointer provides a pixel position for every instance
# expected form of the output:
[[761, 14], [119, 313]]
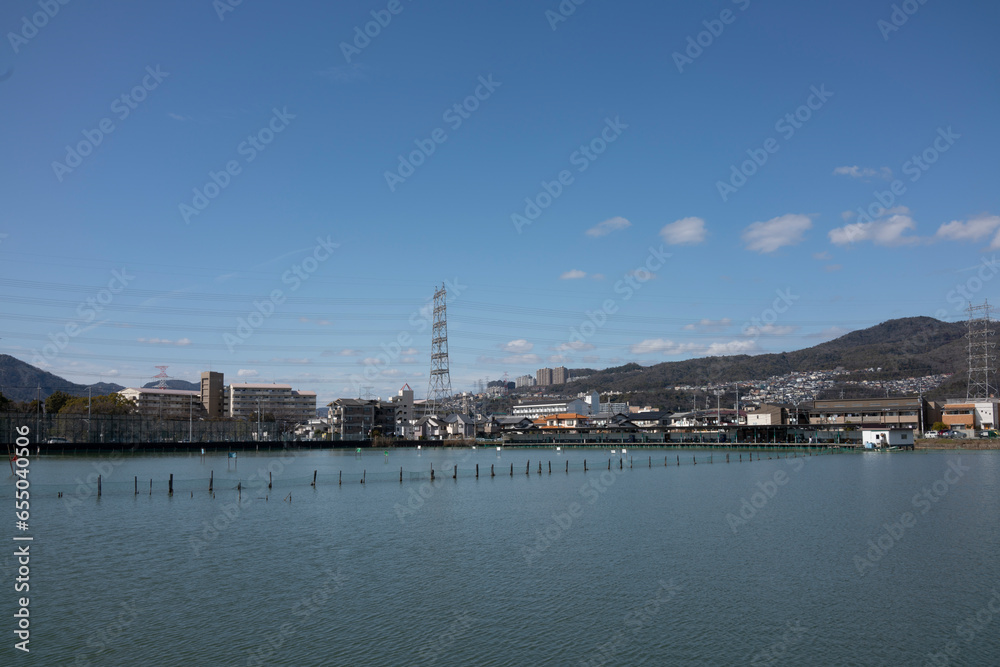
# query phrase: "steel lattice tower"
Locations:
[[439, 383], [162, 377], [981, 356]]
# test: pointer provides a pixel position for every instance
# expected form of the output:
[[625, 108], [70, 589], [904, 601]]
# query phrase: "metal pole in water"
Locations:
[[170, 490], [211, 480]]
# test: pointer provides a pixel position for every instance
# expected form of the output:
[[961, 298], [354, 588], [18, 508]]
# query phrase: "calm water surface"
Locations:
[[825, 560]]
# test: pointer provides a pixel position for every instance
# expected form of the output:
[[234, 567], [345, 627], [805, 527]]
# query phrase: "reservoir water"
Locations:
[[833, 559]]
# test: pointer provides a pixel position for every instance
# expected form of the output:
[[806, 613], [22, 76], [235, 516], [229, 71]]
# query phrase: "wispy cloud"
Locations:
[[709, 325], [608, 226], [662, 346], [686, 231], [247, 373], [573, 274], [163, 341], [519, 346], [785, 230], [864, 172]]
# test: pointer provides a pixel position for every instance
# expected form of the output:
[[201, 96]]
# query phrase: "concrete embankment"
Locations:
[[957, 443]]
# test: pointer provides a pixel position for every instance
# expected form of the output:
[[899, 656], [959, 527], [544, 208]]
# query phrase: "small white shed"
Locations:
[[877, 438]]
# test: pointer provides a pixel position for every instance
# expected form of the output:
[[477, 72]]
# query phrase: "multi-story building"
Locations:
[[586, 405], [213, 393], [242, 400], [543, 377], [903, 411], [353, 417], [560, 375], [969, 415], [524, 381], [165, 403]]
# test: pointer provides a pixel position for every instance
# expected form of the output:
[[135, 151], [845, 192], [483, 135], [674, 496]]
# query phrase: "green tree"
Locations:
[[5, 403], [112, 404], [55, 402], [939, 426]]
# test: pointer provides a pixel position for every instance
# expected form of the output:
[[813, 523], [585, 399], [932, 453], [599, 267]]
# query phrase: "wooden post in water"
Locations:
[[340, 479], [567, 466], [585, 465], [727, 458], [539, 467], [269, 479], [211, 480], [432, 472], [98, 486], [678, 460], [454, 475], [170, 488], [650, 461], [609, 464], [477, 471], [136, 485], [527, 468], [492, 474], [239, 489], [363, 473], [400, 474], [314, 479], [695, 459], [151, 486], [511, 469], [550, 467]]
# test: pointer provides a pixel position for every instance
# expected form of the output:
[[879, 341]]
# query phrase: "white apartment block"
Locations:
[[242, 400], [165, 403]]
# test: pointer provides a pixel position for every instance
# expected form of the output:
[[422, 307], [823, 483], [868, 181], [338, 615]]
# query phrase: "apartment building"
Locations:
[[242, 400], [165, 403]]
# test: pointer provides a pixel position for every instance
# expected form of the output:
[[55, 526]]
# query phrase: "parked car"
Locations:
[[57, 441], [931, 434]]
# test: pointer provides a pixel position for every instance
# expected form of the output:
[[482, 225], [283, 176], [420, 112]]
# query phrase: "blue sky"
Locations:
[[720, 177]]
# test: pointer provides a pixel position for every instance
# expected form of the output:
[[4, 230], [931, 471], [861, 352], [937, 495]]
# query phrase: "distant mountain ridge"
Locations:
[[906, 347], [20, 381]]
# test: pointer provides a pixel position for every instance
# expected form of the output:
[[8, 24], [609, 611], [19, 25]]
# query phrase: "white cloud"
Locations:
[[608, 226], [709, 325], [347, 352], [519, 346], [573, 346], [864, 172], [559, 359], [732, 347], [769, 330], [247, 373], [777, 232], [686, 231], [574, 274], [975, 229], [163, 341], [661, 346], [884, 231]]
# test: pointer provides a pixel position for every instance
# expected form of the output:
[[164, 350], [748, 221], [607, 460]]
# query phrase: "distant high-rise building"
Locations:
[[524, 381], [213, 393], [543, 377], [560, 375]]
